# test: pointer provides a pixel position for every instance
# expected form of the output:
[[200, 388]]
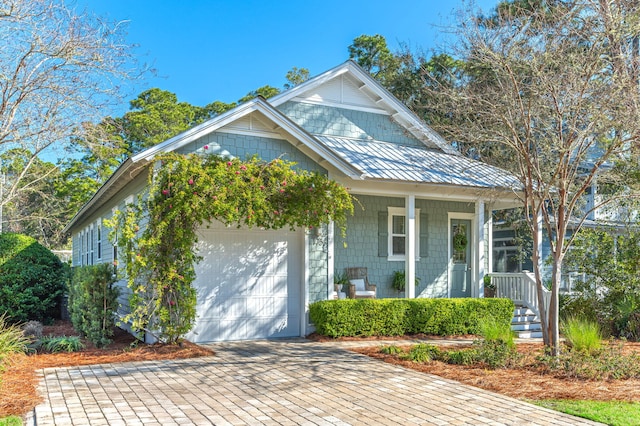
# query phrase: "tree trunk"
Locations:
[[535, 259], [554, 306]]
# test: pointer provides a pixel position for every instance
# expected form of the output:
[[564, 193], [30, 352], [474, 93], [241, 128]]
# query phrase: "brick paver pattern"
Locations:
[[273, 383]]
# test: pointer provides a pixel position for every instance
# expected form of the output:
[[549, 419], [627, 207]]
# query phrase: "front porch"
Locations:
[[416, 236]]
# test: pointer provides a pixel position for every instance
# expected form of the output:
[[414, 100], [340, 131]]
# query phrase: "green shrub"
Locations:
[[448, 317], [495, 353], [460, 357], [93, 302], [422, 352], [61, 344], [582, 335], [11, 339], [32, 279], [610, 364], [391, 350], [495, 331], [610, 262], [394, 317]]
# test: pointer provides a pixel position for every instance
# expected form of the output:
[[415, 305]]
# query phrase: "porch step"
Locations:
[[524, 323], [523, 318], [522, 311], [529, 334], [526, 326]]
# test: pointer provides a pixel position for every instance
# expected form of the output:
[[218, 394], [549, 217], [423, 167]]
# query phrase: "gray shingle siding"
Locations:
[[362, 245], [326, 120], [246, 146]]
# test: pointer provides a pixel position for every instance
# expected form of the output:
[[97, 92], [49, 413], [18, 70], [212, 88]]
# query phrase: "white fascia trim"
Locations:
[[309, 84], [257, 133]]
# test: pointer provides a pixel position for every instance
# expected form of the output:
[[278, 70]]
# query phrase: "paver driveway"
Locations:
[[275, 383]]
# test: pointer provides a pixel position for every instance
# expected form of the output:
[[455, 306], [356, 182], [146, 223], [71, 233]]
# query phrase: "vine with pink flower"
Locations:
[[187, 191]]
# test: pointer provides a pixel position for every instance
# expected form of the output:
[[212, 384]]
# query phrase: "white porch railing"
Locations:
[[521, 288]]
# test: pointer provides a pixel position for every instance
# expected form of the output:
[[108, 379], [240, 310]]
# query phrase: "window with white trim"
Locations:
[[81, 251], [397, 233], [99, 238], [91, 241], [115, 245]]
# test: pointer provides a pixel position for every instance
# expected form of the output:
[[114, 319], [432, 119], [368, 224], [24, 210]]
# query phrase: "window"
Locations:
[[506, 255], [397, 233], [115, 247], [91, 241], [99, 238], [81, 251]]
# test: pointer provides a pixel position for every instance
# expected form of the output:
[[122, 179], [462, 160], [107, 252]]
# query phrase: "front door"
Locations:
[[460, 261]]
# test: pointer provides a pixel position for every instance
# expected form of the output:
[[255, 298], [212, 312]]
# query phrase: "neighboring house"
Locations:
[[414, 193], [508, 257]]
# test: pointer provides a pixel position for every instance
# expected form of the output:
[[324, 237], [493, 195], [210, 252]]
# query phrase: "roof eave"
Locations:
[[397, 109], [111, 184]]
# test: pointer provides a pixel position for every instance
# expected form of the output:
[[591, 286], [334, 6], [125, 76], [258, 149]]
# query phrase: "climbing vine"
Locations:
[[157, 233]]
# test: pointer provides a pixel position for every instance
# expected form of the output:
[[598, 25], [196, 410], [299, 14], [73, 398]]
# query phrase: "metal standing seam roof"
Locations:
[[389, 161]]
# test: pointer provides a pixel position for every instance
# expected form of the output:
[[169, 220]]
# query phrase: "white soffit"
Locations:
[[253, 124], [343, 91]]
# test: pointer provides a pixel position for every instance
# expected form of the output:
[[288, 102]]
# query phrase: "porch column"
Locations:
[[478, 289], [410, 248], [489, 239], [330, 260]]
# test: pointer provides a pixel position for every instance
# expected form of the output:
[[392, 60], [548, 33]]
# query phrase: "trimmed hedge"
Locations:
[[32, 280], [396, 317]]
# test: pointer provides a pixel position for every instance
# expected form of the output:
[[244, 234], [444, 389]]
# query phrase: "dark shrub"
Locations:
[[31, 279], [93, 302]]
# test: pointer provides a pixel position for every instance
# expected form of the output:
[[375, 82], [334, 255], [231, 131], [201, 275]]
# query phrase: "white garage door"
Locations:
[[248, 284]]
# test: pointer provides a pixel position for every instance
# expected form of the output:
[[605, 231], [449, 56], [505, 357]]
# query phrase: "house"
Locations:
[[421, 207], [511, 244]]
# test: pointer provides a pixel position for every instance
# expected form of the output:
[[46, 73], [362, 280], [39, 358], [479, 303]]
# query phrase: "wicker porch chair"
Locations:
[[359, 286]]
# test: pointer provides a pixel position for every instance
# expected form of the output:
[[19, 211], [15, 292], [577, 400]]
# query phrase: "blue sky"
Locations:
[[220, 50]]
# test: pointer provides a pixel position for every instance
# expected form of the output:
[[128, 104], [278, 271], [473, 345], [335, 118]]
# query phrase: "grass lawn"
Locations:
[[614, 413], [11, 421]]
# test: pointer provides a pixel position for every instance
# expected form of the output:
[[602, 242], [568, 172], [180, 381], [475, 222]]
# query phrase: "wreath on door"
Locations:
[[459, 241]]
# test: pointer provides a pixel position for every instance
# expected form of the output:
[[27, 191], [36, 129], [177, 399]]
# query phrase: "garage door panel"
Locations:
[[248, 284]]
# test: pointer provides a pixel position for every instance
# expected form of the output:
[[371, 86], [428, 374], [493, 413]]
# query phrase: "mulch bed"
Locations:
[[18, 383], [526, 382]]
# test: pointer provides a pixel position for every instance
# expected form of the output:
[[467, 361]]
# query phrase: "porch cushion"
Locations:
[[369, 294], [359, 283]]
